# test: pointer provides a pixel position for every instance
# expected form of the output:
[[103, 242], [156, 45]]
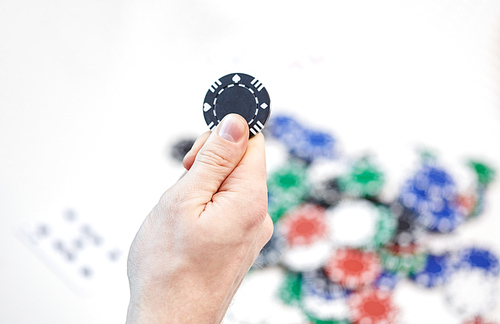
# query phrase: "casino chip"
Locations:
[[402, 263], [308, 246], [471, 292], [436, 271], [353, 268], [443, 220], [290, 289], [365, 179], [180, 149], [322, 299], [241, 94], [409, 232], [287, 188], [372, 306], [427, 190], [305, 225], [360, 223], [312, 145], [479, 258]]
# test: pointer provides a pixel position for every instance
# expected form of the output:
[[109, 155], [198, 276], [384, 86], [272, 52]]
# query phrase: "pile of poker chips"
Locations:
[[344, 248]]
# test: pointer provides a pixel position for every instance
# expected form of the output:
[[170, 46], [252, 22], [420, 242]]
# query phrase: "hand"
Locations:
[[195, 247]]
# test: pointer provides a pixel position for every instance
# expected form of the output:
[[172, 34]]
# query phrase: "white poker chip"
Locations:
[[321, 169], [325, 309], [471, 292], [307, 257], [353, 223]]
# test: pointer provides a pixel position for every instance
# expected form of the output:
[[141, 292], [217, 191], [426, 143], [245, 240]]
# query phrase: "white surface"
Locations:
[[92, 91]]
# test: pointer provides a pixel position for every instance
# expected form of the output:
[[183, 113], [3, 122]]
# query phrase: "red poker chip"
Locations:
[[353, 268], [305, 225], [478, 320], [372, 306]]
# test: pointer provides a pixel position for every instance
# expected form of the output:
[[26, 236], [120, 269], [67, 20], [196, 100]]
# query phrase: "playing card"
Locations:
[[74, 249]]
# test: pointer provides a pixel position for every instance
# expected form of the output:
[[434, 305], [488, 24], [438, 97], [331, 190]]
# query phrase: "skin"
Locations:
[[195, 247]]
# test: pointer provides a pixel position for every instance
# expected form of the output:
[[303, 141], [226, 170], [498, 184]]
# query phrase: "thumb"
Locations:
[[218, 157]]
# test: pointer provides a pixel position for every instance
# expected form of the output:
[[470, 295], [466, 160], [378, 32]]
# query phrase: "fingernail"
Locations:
[[231, 128]]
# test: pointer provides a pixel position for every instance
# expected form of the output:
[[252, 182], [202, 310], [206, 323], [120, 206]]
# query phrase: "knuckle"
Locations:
[[218, 157]]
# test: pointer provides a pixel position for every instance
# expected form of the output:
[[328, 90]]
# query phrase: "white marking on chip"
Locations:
[[264, 105], [212, 89], [260, 87], [256, 128], [253, 81], [260, 124], [210, 125], [236, 78], [253, 132], [206, 107]]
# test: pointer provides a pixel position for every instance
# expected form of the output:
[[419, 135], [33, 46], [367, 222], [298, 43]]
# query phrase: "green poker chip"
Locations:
[[365, 179], [290, 289], [403, 264], [485, 174], [287, 188], [386, 227]]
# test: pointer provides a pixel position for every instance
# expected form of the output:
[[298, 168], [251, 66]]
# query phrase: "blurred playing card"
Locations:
[[79, 254]]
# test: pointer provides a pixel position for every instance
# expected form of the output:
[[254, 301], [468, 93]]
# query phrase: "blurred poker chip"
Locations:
[[290, 289], [372, 306], [443, 219], [477, 258], [436, 271], [323, 299], [402, 263], [364, 179], [471, 292], [287, 188], [352, 268], [313, 144], [427, 189], [409, 231], [360, 223], [179, 149], [307, 238]]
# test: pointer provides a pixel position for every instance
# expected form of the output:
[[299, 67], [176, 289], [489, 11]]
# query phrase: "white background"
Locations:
[[92, 93]]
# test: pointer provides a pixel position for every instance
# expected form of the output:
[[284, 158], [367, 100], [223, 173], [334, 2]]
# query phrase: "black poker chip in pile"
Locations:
[[409, 231], [241, 94], [180, 149]]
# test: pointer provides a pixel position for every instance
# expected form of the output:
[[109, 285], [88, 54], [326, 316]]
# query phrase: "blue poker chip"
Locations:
[[241, 94], [437, 270], [475, 257], [313, 144], [425, 191], [284, 128], [387, 280], [444, 220]]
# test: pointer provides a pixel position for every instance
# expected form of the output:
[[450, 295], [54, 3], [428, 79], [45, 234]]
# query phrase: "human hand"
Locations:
[[195, 247]]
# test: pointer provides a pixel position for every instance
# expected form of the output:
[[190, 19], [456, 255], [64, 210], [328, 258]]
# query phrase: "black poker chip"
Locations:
[[241, 94]]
